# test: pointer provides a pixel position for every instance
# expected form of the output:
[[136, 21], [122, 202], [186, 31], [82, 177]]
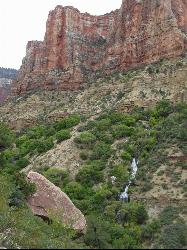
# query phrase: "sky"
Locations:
[[25, 20]]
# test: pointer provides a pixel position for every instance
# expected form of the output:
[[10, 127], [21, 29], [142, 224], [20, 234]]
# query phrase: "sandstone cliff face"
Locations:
[[78, 47]]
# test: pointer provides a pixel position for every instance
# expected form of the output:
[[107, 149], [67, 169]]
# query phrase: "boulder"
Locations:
[[49, 202]]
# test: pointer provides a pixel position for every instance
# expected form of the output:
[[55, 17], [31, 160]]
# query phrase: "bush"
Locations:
[[133, 212], [174, 236], [141, 215], [121, 173], [150, 230], [76, 191], [164, 108], [36, 132], [103, 125], [86, 139], [183, 133], [22, 192], [21, 140], [116, 117], [67, 122], [105, 137], [101, 197], [58, 176], [84, 155], [63, 135], [29, 146], [168, 215], [16, 199], [22, 163], [89, 175], [120, 131], [50, 131], [101, 151], [98, 233], [6, 137], [45, 145], [126, 156]]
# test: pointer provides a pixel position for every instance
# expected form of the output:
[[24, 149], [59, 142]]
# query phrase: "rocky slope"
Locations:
[[78, 47], [143, 88]]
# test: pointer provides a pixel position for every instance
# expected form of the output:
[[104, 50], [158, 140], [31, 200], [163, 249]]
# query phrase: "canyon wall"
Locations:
[[79, 47], [6, 77]]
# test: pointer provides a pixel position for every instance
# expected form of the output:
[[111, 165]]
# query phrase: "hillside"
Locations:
[[121, 91], [79, 140]]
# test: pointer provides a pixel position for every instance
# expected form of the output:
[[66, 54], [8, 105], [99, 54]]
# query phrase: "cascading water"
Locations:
[[134, 168]]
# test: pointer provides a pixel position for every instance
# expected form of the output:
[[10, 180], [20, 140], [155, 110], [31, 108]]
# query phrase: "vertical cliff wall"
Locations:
[[79, 46]]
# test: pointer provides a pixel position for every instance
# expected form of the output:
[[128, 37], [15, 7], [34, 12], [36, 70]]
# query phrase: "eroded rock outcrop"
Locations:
[[4, 89], [78, 47], [50, 200], [6, 77]]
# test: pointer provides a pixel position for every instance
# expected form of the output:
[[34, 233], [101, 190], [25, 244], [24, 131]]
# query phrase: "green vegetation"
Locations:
[[63, 135], [107, 146]]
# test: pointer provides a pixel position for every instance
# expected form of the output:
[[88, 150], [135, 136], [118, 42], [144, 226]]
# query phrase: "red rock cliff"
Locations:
[[80, 46]]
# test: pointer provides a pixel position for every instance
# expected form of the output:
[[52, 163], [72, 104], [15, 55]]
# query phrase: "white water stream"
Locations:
[[134, 168]]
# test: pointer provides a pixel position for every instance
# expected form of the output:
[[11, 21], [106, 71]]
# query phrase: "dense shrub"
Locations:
[[22, 163], [76, 191], [150, 230], [21, 140], [58, 176], [23, 190], [63, 135], [6, 137], [105, 137], [45, 145], [84, 155], [120, 131], [67, 122], [101, 197], [89, 175], [163, 108], [101, 151], [36, 132], [174, 236], [103, 125], [133, 212], [168, 215], [126, 156], [121, 173], [86, 139], [98, 235]]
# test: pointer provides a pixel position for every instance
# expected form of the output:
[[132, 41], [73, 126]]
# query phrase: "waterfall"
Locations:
[[134, 168]]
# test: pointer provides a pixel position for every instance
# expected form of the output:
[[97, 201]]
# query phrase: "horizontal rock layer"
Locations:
[[78, 47]]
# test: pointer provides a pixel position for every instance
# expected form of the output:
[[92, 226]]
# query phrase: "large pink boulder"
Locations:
[[49, 201]]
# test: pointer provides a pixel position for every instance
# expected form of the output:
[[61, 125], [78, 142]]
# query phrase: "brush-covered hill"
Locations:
[[142, 87], [80, 139]]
